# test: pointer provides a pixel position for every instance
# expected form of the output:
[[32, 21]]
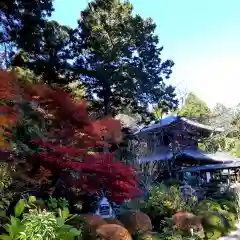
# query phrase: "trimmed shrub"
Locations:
[[213, 222], [113, 232], [89, 223], [137, 223], [114, 221], [185, 221]]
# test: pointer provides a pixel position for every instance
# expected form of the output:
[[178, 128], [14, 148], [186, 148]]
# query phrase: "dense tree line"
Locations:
[[220, 116], [114, 53]]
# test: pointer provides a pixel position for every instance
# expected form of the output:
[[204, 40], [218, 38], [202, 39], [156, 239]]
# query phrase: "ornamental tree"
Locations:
[[72, 145]]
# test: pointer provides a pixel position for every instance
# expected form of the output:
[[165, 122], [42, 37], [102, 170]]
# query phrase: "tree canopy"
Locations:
[[194, 108], [118, 55], [113, 53], [21, 22], [229, 140]]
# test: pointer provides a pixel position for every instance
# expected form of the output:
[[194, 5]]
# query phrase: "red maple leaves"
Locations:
[[71, 143], [71, 148]]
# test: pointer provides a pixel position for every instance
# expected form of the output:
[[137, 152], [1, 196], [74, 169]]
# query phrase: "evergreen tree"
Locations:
[[21, 22], [195, 109], [50, 60], [118, 55]]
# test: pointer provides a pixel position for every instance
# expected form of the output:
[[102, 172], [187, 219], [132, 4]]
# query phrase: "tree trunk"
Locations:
[[106, 99]]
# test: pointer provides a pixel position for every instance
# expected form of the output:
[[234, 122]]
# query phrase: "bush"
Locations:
[[213, 223], [114, 221], [137, 223], [219, 218], [89, 223], [45, 225], [164, 201], [213, 234], [231, 219], [206, 206], [54, 203], [113, 232], [36, 224], [185, 221], [229, 206]]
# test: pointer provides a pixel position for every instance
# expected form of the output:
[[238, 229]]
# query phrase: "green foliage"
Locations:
[[229, 140], [171, 233], [76, 89], [45, 225], [25, 75], [56, 203], [165, 201], [229, 206], [213, 221], [55, 43], [19, 208], [207, 205], [5, 195], [39, 225], [219, 217], [132, 205], [218, 142], [31, 125], [27, 20], [121, 59], [194, 108], [13, 229], [158, 113], [5, 177]]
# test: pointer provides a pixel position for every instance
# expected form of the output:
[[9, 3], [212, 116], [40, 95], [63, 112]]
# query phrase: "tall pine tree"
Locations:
[[118, 55]]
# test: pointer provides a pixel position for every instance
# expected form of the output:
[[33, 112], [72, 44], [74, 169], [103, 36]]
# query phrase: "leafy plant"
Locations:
[[37, 224], [206, 206], [165, 200], [41, 225], [13, 229], [55, 203]]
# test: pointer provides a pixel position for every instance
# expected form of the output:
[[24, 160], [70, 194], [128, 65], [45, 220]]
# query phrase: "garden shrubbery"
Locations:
[[28, 222], [174, 218]]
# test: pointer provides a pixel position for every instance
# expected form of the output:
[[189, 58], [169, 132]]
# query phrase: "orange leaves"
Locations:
[[112, 129], [108, 129], [9, 88], [8, 117], [61, 106], [37, 91]]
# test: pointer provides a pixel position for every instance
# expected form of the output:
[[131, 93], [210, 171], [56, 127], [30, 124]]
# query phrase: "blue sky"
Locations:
[[202, 37]]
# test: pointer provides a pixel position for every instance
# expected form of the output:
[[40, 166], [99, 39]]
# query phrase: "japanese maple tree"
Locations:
[[73, 147]]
